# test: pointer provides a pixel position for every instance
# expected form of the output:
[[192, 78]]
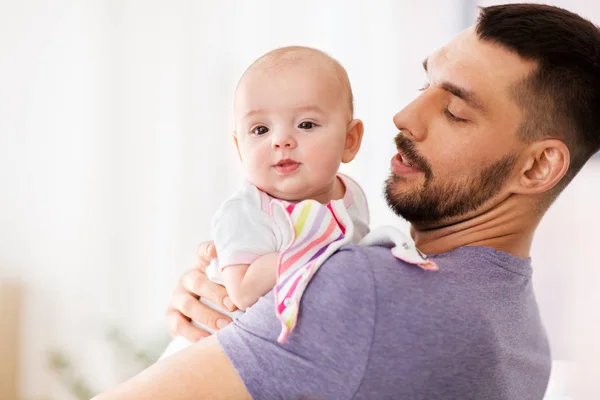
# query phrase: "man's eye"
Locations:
[[453, 117], [260, 130], [307, 125]]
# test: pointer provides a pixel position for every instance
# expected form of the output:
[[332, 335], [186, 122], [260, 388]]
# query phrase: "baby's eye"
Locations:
[[260, 130], [307, 125]]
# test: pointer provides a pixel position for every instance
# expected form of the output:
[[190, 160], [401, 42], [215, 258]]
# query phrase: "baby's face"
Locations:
[[291, 130]]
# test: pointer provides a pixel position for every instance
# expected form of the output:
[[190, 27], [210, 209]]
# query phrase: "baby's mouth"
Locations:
[[286, 166], [286, 162]]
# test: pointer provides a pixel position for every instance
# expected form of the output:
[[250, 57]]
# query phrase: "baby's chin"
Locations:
[[295, 193], [288, 191], [287, 194]]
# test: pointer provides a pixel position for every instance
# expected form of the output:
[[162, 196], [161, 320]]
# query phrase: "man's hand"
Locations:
[[184, 305]]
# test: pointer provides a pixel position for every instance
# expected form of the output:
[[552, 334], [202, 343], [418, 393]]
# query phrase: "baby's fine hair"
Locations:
[[291, 55]]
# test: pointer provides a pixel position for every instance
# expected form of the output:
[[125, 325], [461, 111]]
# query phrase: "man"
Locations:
[[509, 115]]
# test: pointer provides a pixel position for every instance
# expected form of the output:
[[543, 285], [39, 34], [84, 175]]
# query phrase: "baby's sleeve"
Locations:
[[242, 232]]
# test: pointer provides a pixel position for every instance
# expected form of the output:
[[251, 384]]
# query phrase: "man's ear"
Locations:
[[546, 164], [354, 134], [237, 146]]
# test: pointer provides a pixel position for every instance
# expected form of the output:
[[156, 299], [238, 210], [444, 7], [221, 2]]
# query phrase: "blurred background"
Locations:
[[115, 151]]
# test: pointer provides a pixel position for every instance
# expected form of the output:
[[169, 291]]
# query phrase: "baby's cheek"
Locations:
[[252, 169], [329, 163], [256, 160]]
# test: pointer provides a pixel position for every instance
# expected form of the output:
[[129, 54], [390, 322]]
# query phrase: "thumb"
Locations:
[[211, 250], [206, 251]]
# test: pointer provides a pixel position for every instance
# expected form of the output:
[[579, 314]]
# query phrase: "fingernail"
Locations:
[[222, 323], [209, 248], [228, 303]]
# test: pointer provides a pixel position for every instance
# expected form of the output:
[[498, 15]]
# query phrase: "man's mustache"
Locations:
[[408, 150]]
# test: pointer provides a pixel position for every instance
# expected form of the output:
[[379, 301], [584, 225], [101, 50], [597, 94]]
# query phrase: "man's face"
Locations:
[[458, 144]]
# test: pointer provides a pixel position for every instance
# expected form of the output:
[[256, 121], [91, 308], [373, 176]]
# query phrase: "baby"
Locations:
[[294, 126]]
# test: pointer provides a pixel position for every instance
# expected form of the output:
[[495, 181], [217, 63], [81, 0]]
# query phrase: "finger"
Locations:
[[191, 308], [197, 282], [205, 252], [178, 325]]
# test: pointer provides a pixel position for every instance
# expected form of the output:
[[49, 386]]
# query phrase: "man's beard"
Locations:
[[436, 202]]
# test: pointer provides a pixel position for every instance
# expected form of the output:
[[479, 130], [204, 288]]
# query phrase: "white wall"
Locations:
[[115, 152]]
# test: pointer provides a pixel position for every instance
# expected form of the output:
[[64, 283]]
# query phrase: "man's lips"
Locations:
[[286, 166], [401, 165]]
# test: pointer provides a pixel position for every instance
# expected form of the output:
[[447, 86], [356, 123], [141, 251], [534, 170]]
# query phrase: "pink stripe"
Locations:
[[281, 306], [336, 219], [314, 229], [290, 261]]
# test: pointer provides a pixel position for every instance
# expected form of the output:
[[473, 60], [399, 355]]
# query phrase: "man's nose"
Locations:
[[283, 140], [413, 119]]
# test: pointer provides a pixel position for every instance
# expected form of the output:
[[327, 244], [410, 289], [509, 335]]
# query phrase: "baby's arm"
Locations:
[[247, 283]]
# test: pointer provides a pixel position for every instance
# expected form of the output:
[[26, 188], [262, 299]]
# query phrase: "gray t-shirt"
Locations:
[[374, 327]]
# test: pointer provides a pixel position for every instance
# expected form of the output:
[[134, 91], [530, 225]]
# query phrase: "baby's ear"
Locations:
[[237, 146], [354, 134]]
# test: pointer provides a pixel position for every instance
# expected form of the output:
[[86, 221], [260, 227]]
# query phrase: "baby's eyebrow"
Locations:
[[310, 108], [253, 112], [302, 108]]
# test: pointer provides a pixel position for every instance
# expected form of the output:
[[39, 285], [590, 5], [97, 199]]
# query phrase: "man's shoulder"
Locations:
[[373, 275], [343, 277], [468, 265], [373, 264], [348, 262], [459, 293]]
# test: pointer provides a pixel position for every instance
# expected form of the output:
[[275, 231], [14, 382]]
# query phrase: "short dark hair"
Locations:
[[561, 97]]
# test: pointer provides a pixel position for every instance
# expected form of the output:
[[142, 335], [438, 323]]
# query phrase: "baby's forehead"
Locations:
[[291, 64], [316, 73]]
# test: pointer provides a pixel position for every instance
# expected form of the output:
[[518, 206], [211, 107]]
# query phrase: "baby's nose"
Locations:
[[283, 140]]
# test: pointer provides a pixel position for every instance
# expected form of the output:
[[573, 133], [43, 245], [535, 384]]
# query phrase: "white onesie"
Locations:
[[243, 231]]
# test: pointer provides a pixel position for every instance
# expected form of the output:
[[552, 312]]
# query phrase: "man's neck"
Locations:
[[507, 227]]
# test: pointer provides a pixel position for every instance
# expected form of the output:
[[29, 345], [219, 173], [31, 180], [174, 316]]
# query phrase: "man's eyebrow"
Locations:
[[467, 96]]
